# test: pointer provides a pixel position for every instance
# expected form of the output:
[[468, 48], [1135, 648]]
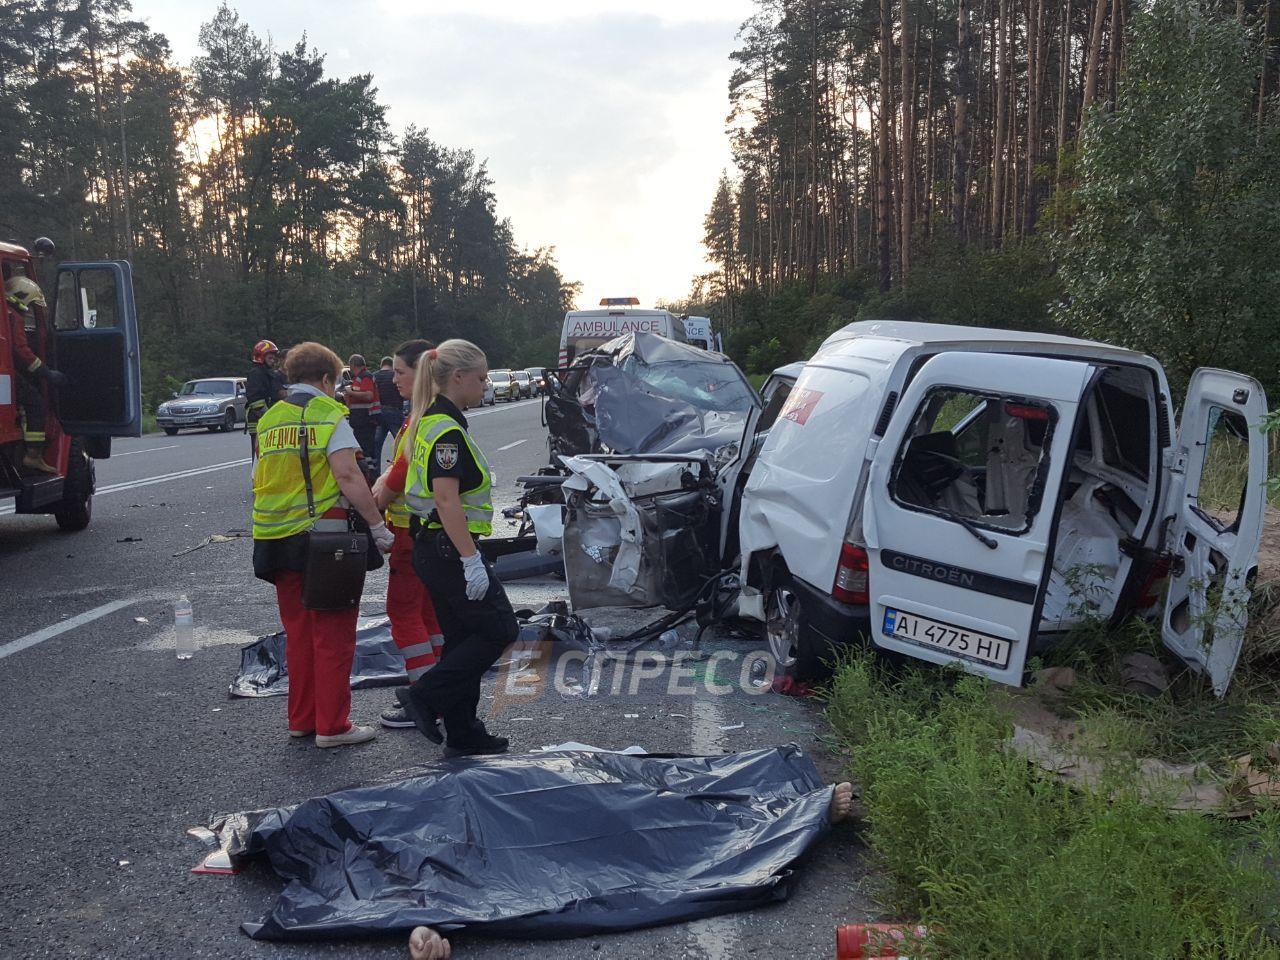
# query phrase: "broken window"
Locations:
[[976, 456], [1219, 497]]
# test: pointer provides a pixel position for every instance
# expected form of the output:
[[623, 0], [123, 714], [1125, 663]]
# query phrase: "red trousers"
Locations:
[[414, 627], [320, 646]]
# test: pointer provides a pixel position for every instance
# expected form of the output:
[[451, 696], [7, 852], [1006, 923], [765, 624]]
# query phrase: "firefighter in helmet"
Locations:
[[21, 294], [265, 386]]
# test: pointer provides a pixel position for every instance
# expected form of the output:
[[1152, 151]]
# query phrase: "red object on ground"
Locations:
[[319, 649], [857, 940], [791, 687]]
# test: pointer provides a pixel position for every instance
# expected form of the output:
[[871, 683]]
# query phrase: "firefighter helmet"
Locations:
[[22, 292], [262, 348]]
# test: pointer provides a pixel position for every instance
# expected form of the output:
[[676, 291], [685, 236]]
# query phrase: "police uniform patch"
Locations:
[[447, 455]]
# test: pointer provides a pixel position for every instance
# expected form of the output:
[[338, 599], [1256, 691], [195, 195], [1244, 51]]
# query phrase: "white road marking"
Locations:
[[507, 405], [48, 633], [716, 938], [169, 446], [179, 475], [516, 444]]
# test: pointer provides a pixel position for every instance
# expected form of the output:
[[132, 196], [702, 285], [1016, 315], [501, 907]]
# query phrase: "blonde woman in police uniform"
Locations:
[[448, 492], [321, 644]]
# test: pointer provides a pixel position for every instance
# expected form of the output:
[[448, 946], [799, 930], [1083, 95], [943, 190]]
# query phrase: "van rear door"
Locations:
[[1217, 500], [959, 512]]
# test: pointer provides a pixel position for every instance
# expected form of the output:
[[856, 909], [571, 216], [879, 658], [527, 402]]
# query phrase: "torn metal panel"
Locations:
[[643, 393], [639, 534], [545, 845]]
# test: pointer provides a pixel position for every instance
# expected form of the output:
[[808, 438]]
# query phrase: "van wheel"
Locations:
[[784, 631], [76, 509]]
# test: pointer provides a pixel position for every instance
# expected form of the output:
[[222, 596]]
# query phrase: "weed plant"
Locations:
[[1004, 860]]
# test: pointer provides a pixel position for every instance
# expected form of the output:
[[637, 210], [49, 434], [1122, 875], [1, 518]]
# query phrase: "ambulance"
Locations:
[[586, 329]]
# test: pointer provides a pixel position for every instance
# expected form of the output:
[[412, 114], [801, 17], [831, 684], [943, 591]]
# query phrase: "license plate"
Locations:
[[968, 644]]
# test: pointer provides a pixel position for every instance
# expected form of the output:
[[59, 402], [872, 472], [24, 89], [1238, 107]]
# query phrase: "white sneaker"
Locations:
[[354, 735]]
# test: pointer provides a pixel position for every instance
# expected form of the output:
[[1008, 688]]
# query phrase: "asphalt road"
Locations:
[[113, 747]]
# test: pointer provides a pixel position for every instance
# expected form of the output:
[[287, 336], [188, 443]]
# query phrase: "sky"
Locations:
[[602, 121]]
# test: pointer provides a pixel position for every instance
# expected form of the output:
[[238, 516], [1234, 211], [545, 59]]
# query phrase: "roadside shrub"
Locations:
[[1006, 861]]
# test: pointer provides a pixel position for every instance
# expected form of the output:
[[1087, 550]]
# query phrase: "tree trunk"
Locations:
[[885, 224], [998, 148], [814, 178], [960, 136], [1266, 49], [1091, 62], [1035, 89], [1064, 83], [907, 147]]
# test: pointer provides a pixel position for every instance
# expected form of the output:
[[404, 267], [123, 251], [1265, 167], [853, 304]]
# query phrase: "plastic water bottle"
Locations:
[[184, 628]]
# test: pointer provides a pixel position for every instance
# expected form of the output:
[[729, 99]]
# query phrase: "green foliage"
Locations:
[[1178, 202], [1003, 860], [1009, 287], [261, 197]]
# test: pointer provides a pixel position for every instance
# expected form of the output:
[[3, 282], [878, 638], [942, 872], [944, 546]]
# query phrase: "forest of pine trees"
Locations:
[[878, 142], [256, 195]]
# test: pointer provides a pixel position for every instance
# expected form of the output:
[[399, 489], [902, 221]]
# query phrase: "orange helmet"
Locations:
[[262, 348]]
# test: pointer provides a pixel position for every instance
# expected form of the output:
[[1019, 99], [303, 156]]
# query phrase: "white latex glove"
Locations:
[[383, 538], [477, 576]]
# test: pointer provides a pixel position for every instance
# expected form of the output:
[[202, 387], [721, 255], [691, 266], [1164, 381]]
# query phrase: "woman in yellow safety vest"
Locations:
[[320, 644], [448, 493], [414, 626]]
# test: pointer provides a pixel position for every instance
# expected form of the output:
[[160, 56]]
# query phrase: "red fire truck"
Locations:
[[90, 333]]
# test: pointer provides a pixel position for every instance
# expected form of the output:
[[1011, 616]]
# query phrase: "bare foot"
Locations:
[[426, 944], [841, 802]]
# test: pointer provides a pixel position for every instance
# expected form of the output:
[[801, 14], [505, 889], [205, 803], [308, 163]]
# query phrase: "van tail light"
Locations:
[[852, 576]]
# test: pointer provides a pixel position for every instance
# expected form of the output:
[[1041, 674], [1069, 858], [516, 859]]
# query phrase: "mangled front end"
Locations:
[[640, 532]]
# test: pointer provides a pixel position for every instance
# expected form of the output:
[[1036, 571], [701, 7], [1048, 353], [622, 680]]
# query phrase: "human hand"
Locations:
[[426, 944], [383, 538], [477, 575], [56, 378]]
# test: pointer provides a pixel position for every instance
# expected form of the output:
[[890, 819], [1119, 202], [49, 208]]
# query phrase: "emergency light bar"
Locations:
[[619, 301]]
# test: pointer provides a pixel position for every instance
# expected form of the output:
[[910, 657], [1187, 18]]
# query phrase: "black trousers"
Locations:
[[363, 426], [476, 632]]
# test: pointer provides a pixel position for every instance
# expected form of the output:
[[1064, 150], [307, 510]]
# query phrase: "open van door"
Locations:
[[1217, 500], [96, 329], [959, 515]]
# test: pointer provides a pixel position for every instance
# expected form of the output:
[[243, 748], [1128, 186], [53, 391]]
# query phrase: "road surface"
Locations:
[[113, 747]]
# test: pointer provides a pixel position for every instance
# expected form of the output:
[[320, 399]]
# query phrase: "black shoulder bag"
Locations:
[[336, 560]]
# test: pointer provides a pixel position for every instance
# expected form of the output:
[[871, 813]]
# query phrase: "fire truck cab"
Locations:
[[90, 333]]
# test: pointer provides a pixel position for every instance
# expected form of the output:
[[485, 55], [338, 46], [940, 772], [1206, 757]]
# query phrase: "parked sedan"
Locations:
[[504, 385], [215, 403]]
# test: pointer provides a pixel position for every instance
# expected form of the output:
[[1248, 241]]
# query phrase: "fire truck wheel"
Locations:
[[76, 508]]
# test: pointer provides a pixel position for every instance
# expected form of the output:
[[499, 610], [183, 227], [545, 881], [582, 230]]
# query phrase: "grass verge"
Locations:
[[1005, 861]]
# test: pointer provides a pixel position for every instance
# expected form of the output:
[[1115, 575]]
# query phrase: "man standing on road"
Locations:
[[363, 404], [264, 387], [391, 419]]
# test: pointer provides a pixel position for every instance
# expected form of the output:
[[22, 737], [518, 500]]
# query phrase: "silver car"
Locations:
[[215, 403]]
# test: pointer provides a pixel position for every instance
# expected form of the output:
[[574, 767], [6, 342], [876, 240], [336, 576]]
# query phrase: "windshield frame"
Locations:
[[228, 391]]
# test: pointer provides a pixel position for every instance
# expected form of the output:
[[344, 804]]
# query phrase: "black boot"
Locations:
[[423, 717]]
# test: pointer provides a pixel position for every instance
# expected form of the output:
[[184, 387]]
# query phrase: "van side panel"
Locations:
[[799, 495]]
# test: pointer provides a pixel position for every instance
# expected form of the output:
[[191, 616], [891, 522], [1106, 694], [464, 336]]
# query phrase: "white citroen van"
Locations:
[[966, 495]]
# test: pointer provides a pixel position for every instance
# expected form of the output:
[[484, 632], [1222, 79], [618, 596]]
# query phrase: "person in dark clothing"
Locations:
[[391, 419], [263, 387], [447, 490], [363, 405]]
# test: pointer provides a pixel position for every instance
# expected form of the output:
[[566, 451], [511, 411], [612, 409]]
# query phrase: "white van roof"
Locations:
[[914, 333]]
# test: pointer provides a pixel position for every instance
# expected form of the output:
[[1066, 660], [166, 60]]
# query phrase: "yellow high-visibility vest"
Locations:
[[279, 491], [397, 510], [417, 489]]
